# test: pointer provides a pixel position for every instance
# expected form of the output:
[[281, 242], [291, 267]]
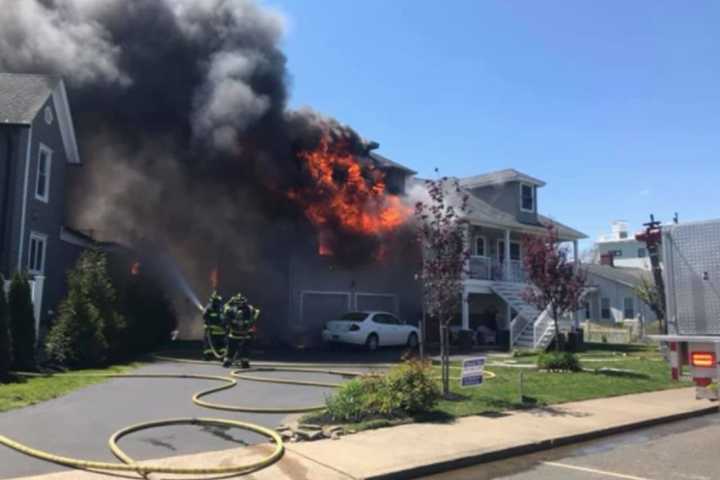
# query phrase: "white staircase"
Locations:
[[531, 328]]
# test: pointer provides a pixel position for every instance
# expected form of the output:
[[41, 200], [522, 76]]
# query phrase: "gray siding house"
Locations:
[[37, 146], [611, 296]]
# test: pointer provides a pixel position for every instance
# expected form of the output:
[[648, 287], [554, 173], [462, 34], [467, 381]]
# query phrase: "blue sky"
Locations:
[[615, 104]]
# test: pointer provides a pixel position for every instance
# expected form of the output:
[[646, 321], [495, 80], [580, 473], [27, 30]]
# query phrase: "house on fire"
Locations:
[[37, 147], [504, 208]]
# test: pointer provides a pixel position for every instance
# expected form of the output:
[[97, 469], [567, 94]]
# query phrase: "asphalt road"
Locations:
[[685, 450], [79, 424]]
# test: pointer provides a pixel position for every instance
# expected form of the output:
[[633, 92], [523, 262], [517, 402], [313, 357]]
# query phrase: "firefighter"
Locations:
[[215, 328], [241, 318]]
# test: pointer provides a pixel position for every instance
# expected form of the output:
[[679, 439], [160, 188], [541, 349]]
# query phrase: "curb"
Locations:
[[502, 454]]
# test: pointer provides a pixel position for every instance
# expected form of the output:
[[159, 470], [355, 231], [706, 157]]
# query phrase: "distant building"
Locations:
[[622, 246]]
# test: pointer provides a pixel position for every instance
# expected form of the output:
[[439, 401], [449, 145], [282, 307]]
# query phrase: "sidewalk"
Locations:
[[419, 449]]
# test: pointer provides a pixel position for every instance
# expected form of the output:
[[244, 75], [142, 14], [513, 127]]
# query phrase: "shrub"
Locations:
[[89, 330], [22, 322], [559, 361], [5, 340], [405, 390]]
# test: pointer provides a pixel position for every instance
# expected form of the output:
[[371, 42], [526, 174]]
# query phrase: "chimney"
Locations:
[[607, 259]]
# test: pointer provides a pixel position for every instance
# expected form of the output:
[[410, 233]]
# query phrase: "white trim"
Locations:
[[485, 246], [42, 148], [42, 238], [532, 191], [65, 123], [23, 216]]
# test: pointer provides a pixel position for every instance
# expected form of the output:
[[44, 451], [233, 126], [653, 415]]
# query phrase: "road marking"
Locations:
[[592, 470]]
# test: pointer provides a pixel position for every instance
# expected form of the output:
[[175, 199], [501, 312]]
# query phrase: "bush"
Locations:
[[559, 361], [405, 390], [89, 331], [22, 322], [5, 340]]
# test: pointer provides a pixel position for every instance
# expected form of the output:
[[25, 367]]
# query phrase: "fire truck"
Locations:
[[691, 277]]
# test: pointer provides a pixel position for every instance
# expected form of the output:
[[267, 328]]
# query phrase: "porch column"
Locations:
[[465, 310], [576, 258], [507, 269]]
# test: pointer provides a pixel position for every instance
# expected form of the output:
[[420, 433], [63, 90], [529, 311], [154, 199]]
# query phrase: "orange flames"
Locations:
[[347, 195], [135, 269]]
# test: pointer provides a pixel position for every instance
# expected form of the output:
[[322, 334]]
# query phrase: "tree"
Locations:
[[648, 292], [22, 322], [5, 340], [89, 331], [556, 283], [442, 229]]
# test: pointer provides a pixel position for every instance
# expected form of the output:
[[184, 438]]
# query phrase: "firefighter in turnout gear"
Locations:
[[215, 328], [240, 317]]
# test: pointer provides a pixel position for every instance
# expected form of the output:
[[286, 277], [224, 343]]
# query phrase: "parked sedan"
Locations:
[[372, 329]]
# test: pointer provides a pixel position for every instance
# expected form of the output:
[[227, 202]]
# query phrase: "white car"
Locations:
[[372, 329]]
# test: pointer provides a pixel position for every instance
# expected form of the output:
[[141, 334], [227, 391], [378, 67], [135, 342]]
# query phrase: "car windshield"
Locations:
[[355, 316]]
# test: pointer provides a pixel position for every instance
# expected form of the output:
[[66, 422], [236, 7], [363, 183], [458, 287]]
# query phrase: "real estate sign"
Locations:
[[473, 372]]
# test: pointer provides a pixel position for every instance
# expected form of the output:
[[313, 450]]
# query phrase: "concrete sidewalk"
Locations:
[[418, 449]]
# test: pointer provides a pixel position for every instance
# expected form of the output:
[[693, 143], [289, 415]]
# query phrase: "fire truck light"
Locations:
[[702, 359]]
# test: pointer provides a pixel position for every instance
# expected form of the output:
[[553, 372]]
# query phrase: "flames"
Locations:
[[346, 194], [135, 268], [214, 278]]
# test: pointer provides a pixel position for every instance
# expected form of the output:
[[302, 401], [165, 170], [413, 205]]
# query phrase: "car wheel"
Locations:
[[372, 342], [412, 341]]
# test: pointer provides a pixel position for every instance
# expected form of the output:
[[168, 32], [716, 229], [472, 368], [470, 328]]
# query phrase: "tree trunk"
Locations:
[[444, 359], [557, 331]]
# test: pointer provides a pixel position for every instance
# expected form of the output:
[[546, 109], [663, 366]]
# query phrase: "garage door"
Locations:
[[320, 307], [376, 301]]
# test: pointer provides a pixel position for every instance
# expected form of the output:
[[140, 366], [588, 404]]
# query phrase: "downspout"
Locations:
[[24, 201]]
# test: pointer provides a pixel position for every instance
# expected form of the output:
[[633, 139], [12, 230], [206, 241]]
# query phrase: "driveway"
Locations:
[[79, 424]]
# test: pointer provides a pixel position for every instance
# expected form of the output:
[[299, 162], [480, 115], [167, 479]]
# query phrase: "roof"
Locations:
[[484, 213], [384, 162], [628, 276], [499, 177], [22, 96]]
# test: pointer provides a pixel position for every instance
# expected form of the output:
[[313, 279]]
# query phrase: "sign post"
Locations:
[[473, 372]]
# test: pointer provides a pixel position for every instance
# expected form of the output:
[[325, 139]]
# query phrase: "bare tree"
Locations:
[[556, 282], [442, 236], [648, 292]]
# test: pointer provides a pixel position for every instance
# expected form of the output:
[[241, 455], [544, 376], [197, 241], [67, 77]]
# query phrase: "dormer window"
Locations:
[[527, 198]]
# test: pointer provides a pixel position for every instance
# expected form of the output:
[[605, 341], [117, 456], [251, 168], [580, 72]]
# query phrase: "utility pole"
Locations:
[[652, 236]]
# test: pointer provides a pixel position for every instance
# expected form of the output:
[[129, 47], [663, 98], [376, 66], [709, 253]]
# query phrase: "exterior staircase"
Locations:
[[530, 328]]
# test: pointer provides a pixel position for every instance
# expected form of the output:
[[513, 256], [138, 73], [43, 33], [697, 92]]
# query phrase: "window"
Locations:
[[605, 308], [42, 185], [527, 198], [385, 319], [480, 246], [36, 257], [355, 316], [615, 253], [588, 314], [514, 250], [642, 253], [629, 308]]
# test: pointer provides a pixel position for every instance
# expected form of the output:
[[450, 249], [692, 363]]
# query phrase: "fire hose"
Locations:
[[131, 465]]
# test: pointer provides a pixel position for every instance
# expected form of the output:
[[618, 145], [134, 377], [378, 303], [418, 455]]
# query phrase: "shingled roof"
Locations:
[[629, 276], [22, 96], [500, 177]]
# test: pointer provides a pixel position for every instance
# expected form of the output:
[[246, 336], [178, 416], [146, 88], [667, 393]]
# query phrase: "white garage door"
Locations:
[[376, 301]]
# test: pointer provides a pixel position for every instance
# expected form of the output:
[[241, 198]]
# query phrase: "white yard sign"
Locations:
[[473, 372]]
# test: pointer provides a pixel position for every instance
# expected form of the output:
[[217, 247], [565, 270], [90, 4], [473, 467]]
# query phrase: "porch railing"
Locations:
[[486, 268]]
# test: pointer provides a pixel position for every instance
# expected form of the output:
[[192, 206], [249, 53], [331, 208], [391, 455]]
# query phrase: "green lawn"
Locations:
[[31, 390], [636, 369]]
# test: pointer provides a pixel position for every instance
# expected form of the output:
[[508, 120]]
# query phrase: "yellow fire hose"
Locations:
[[129, 464]]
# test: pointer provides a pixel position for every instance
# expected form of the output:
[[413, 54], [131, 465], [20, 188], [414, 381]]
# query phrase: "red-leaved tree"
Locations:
[[555, 282], [442, 236]]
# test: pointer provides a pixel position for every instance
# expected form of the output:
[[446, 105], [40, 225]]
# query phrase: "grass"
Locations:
[[26, 391], [632, 372]]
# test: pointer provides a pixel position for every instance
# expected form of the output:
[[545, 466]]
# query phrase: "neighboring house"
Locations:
[[611, 296], [37, 146], [503, 209], [622, 246]]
